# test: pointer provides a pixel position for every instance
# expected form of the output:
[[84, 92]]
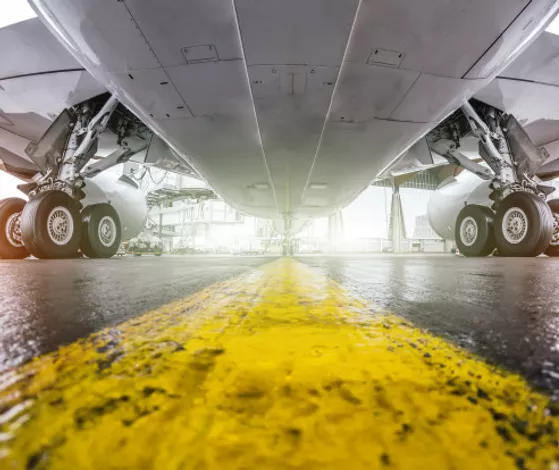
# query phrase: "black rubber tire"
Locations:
[[34, 229], [484, 243], [8, 250], [553, 250], [91, 245], [539, 230]]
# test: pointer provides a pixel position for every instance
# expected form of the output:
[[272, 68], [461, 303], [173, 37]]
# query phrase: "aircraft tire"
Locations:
[[101, 231], [553, 248], [523, 225], [11, 245], [474, 231], [51, 225]]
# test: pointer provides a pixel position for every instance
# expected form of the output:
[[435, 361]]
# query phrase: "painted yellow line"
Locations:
[[279, 368]]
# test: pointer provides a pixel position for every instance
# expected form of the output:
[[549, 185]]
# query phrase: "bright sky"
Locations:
[[8, 185], [554, 26], [14, 11], [367, 216]]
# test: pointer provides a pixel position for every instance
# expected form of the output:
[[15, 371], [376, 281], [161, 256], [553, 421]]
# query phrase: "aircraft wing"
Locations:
[[35, 91], [529, 89]]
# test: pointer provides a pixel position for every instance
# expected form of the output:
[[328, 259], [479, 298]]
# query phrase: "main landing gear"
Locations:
[[54, 223], [101, 231], [520, 222], [553, 248], [521, 226], [11, 244], [51, 226]]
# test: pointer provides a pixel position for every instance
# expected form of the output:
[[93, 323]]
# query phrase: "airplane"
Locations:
[[289, 108]]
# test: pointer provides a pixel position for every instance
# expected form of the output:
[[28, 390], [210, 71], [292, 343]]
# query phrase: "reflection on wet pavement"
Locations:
[[44, 304], [506, 309], [280, 367]]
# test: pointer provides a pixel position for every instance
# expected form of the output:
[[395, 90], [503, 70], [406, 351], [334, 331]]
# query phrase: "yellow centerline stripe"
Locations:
[[278, 368]]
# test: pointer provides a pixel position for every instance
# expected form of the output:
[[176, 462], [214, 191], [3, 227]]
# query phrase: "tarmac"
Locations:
[[388, 361]]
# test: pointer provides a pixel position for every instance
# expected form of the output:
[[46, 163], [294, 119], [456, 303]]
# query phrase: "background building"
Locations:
[[191, 218]]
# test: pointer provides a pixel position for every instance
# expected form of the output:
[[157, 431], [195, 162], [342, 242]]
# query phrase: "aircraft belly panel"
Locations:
[[440, 43], [443, 38], [351, 152], [293, 52], [265, 98]]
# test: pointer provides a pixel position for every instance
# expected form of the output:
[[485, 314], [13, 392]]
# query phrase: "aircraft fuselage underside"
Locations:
[[291, 108]]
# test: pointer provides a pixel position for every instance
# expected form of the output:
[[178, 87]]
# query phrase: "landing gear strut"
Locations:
[[52, 224], [520, 222]]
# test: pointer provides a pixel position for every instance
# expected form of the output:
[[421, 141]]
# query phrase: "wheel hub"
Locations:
[[468, 231], [107, 231], [515, 225], [555, 237], [60, 225], [13, 230]]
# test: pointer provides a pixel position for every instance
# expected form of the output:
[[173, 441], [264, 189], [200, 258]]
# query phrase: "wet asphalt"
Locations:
[[505, 309], [47, 303]]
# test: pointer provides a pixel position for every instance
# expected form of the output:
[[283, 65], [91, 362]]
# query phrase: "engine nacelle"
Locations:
[[452, 195], [124, 195]]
